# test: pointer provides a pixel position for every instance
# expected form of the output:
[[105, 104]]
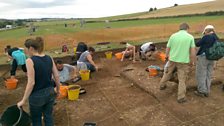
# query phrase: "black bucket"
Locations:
[[13, 116]]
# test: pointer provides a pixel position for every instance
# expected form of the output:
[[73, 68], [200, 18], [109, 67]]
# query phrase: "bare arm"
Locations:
[[75, 72], [167, 53], [90, 59], [133, 53], [124, 54], [72, 69], [30, 83], [56, 77], [193, 55]]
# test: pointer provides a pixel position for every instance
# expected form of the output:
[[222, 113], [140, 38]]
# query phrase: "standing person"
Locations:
[[86, 58], [146, 50], [18, 59], [179, 49], [40, 87], [204, 67], [129, 52]]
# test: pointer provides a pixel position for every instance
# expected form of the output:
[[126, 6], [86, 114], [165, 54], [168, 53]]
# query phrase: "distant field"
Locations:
[[57, 27], [136, 31], [198, 8]]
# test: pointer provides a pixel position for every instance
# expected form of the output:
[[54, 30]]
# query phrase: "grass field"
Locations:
[[136, 31], [57, 27]]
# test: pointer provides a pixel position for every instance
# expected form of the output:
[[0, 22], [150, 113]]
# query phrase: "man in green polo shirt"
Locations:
[[180, 51]]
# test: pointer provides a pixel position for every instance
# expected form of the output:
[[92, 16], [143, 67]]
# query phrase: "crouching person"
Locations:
[[18, 59], [129, 52], [86, 59], [146, 50]]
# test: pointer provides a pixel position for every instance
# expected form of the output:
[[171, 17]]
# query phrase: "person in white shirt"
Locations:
[[146, 50], [66, 72]]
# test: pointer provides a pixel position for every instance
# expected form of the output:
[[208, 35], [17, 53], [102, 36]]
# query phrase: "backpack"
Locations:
[[215, 52]]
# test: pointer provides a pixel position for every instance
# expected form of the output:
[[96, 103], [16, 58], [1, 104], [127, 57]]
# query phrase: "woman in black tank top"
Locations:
[[40, 89]]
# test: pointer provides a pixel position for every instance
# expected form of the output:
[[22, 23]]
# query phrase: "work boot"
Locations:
[[162, 87], [201, 94], [182, 100]]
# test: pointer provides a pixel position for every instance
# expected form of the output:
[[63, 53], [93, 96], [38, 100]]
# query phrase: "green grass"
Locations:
[[53, 22], [133, 23], [57, 27], [14, 33]]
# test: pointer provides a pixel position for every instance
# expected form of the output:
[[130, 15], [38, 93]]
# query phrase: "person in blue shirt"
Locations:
[[204, 67], [18, 59]]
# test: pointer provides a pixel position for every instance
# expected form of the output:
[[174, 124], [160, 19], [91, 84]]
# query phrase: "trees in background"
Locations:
[[152, 9], [18, 22], [175, 5]]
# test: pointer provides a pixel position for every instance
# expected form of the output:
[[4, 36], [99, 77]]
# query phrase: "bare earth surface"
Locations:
[[117, 96]]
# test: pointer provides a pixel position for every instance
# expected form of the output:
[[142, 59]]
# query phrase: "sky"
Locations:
[[21, 9]]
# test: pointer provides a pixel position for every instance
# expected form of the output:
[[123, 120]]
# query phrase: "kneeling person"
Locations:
[[146, 50], [86, 59]]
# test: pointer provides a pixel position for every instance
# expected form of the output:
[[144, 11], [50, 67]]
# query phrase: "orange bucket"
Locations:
[[63, 92], [119, 55], [153, 72], [11, 83], [162, 56]]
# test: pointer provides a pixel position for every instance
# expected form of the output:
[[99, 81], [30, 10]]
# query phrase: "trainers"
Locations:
[[82, 91], [162, 87], [76, 79], [201, 94], [182, 100], [206, 95]]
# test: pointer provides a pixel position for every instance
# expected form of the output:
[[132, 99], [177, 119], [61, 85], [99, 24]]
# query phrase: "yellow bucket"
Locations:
[[108, 55], [73, 92], [75, 50], [84, 74]]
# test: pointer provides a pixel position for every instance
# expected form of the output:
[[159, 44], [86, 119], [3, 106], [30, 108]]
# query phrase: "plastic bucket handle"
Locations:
[[20, 116]]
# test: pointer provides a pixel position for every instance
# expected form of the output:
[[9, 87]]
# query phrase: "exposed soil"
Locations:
[[130, 99]]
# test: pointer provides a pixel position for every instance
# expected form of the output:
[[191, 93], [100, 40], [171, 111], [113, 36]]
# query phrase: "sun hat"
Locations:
[[208, 27], [127, 45]]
